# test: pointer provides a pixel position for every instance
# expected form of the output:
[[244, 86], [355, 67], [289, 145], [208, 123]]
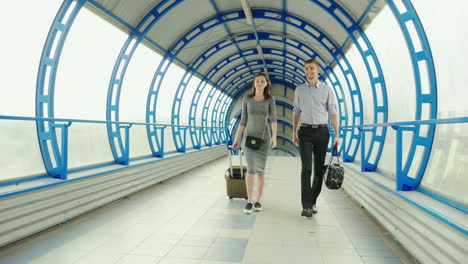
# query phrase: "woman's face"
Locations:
[[260, 82]]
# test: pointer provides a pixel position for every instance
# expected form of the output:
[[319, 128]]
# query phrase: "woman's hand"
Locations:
[[273, 143], [235, 145]]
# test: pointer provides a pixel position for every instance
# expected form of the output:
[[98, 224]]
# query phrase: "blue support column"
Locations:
[[126, 149], [45, 89], [403, 181], [62, 170], [422, 62], [118, 73], [376, 78], [246, 37]]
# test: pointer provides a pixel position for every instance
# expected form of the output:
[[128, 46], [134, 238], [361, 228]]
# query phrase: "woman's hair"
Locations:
[[266, 91]]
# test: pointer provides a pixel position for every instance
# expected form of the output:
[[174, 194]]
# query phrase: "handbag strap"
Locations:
[[264, 127], [334, 150]]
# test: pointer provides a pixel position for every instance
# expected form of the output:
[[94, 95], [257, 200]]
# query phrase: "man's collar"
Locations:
[[316, 85]]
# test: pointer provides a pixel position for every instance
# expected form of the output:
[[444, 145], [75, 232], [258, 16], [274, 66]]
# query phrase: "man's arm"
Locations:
[[333, 114], [295, 126], [334, 121], [296, 117]]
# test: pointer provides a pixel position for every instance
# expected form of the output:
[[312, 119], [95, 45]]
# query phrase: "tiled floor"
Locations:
[[189, 219]]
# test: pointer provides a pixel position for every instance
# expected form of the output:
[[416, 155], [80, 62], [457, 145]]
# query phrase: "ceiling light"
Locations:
[[247, 11]]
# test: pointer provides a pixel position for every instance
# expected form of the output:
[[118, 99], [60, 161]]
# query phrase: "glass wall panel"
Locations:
[[165, 101], [134, 96], [360, 70], [20, 154], [446, 172], [83, 75], [216, 96], [24, 32], [201, 103], [21, 48], [390, 46], [447, 32], [187, 100]]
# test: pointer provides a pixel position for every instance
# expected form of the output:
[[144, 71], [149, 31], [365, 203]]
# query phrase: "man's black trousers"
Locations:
[[312, 141]]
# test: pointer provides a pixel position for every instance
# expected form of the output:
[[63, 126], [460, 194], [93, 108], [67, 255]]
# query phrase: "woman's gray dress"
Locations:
[[254, 118]]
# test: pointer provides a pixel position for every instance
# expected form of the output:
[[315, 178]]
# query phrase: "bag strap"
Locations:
[[264, 127], [334, 150]]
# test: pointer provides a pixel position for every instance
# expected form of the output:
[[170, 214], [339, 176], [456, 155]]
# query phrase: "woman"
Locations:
[[256, 108]]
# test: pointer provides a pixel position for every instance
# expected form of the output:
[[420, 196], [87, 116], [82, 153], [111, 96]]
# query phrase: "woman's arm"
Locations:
[[274, 123], [274, 126], [242, 124]]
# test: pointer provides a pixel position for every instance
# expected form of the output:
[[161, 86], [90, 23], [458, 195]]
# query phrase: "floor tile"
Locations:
[[155, 226]]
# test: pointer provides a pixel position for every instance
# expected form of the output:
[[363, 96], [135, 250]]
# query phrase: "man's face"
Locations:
[[311, 71]]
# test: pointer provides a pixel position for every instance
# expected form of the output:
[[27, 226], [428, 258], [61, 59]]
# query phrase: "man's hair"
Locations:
[[312, 61]]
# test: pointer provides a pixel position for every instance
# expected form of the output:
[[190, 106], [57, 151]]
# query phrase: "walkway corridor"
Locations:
[[188, 219]]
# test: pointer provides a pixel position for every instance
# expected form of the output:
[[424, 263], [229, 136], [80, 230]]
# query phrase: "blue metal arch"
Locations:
[[335, 83], [217, 133], [376, 78], [354, 94], [118, 73], [248, 53], [45, 88], [240, 76], [421, 61], [183, 41], [211, 51]]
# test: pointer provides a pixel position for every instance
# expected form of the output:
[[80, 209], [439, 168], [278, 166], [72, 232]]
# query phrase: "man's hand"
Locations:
[[295, 139], [336, 141], [235, 145]]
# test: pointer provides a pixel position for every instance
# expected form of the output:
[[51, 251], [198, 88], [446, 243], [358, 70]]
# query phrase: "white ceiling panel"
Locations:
[[186, 15], [201, 43], [180, 20]]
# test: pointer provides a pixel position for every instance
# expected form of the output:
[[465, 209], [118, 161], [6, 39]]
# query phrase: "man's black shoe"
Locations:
[[314, 209], [306, 212]]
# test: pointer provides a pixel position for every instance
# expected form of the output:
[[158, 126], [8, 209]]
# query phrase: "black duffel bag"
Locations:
[[334, 172]]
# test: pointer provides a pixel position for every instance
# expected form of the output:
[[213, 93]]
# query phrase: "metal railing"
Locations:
[[61, 170]]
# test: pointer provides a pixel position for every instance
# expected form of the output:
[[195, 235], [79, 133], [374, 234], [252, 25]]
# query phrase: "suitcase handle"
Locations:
[[230, 160]]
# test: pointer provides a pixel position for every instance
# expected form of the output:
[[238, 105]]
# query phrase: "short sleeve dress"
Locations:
[[255, 115]]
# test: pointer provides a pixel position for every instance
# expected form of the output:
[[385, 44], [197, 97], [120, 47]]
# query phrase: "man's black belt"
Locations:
[[313, 126]]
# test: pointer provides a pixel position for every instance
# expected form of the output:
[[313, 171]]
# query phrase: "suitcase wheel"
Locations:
[[230, 198]]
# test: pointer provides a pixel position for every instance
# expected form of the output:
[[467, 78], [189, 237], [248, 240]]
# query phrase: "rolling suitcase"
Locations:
[[235, 178]]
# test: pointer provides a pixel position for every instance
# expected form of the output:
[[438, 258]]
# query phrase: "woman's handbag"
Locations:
[[254, 142], [334, 173]]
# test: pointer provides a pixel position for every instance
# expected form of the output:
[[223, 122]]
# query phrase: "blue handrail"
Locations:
[[61, 171], [403, 181], [27, 118], [416, 122]]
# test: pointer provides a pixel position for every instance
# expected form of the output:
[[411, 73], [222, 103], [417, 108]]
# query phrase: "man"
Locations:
[[313, 103]]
